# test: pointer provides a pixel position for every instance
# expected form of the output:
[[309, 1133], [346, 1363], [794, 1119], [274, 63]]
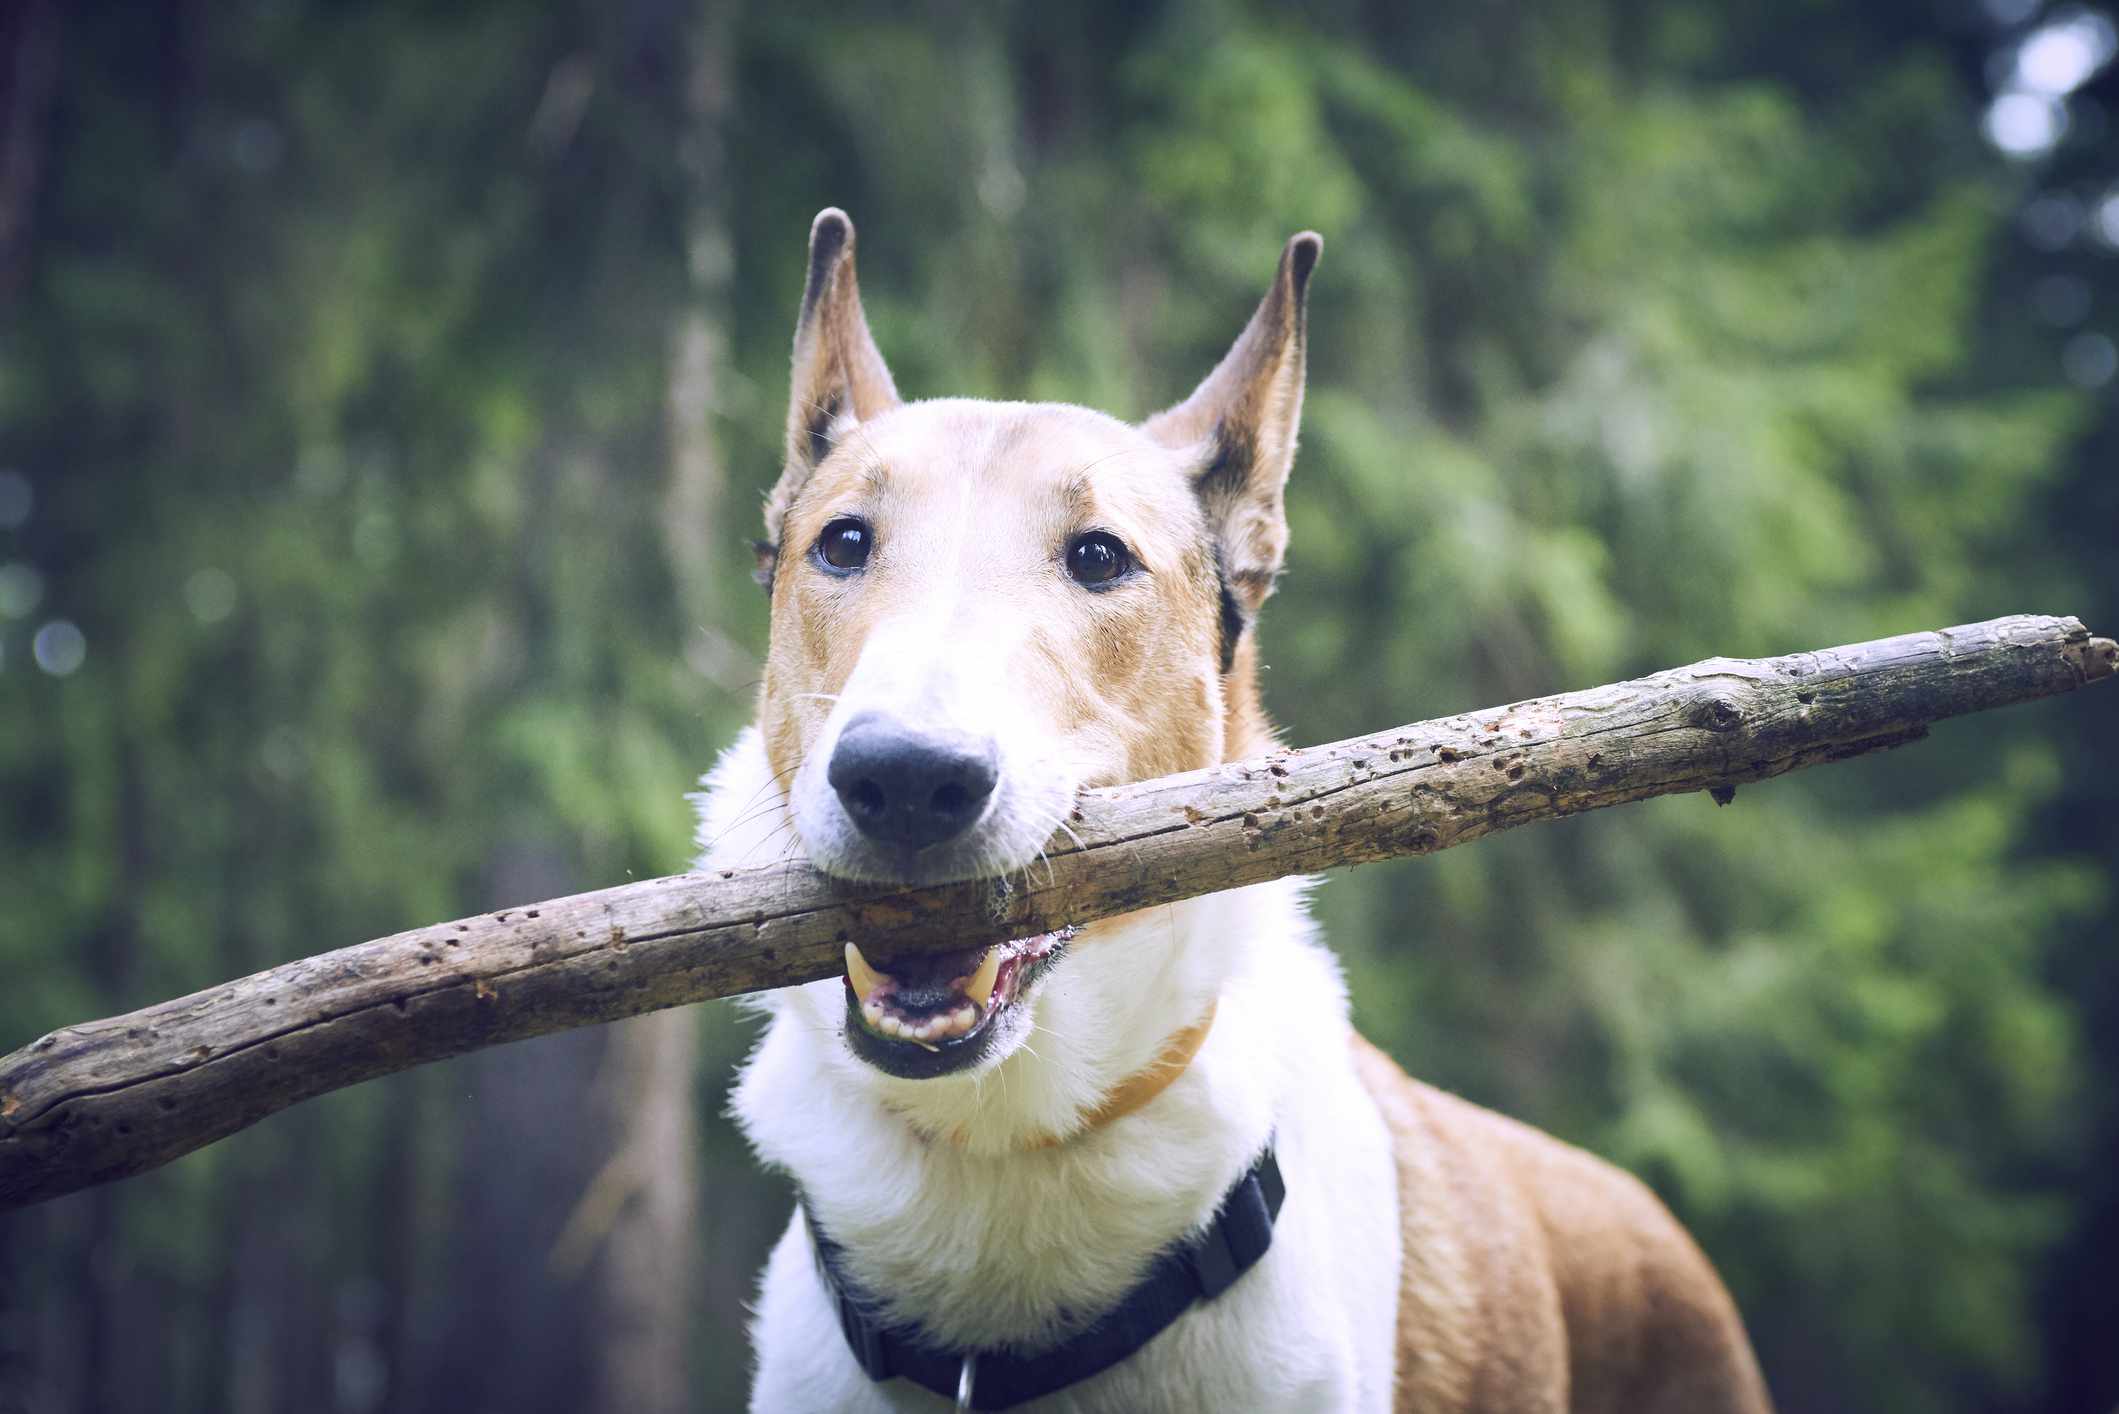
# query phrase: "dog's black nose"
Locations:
[[908, 788]]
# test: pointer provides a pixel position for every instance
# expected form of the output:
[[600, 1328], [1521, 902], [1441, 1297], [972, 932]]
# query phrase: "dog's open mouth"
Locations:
[[933, 1013]]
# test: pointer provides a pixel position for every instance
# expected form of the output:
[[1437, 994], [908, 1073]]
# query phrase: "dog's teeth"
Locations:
[[883, 1020], [865, 979], [980, 987]]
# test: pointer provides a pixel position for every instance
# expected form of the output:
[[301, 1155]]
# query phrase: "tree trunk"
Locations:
[[637, 1221], [639, 1215]]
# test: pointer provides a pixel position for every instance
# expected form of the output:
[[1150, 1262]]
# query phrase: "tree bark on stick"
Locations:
[[111, 1098]]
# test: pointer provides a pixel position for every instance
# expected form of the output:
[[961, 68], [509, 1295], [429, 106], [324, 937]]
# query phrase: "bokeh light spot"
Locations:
[[2011, 12], [2029, 116], [210, 594], [2108, 220], [284, 753], [2025, 124], [2089, 360], [1001, 189], [2052, 219], [21, 589], [2061, 57], [59, 648]]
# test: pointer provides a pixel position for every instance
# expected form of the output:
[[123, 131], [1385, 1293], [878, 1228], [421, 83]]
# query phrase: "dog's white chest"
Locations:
[[1308, 1328]]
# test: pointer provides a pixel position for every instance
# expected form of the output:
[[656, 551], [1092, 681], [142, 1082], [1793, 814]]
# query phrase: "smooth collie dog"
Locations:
[[1146, 1165]]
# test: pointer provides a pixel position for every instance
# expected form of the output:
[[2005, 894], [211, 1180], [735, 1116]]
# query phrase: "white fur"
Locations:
[[984, 1242], [932, 662]]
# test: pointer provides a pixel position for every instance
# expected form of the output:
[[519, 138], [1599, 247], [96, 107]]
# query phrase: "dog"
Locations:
[[1146, 1164]]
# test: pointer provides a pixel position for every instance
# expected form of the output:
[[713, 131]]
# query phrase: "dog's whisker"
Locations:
[[786, 820], [1045, 1028], [749, 815], [744, 860], [751, 803], [770, 838], [755, 812], [794, 843]]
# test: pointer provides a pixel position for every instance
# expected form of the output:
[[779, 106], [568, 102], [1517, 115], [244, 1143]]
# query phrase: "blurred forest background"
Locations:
[[387, 393]]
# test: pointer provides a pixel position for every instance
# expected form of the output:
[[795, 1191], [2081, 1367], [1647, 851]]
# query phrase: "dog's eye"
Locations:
[[845, 544], [1098, 559]]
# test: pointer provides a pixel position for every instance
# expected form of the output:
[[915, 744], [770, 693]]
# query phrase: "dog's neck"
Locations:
[[1134, 1092], [1145, 1084]]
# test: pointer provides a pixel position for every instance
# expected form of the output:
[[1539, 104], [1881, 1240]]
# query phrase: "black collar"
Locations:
[[1199, 1269]]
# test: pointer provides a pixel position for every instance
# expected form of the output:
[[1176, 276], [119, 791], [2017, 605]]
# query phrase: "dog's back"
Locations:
[[1537, 1277]]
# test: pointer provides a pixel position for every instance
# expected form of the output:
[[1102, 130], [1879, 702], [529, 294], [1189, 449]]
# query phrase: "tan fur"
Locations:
[[1538, 1277]]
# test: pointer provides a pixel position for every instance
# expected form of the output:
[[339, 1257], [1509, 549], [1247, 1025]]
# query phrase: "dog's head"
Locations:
[[979, 609]]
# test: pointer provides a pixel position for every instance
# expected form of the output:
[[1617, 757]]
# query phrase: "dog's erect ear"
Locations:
[[839, 380], [1242, 423]]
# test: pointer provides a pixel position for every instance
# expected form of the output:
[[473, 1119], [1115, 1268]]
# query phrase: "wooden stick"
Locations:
[[106, 1099]]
